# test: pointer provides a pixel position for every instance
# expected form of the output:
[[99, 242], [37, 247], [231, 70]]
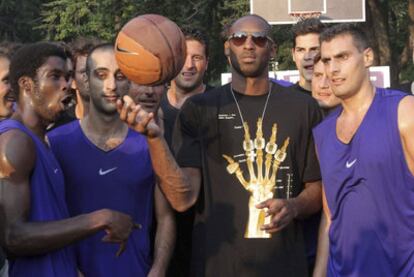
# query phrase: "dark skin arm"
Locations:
[[181, 186], [23, 238], [283, 211], [165, 235]]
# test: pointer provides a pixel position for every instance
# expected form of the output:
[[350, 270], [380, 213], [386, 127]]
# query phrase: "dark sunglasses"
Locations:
[[259, 38]]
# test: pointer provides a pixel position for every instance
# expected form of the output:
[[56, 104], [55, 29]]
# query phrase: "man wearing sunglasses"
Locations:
[[245, 160]]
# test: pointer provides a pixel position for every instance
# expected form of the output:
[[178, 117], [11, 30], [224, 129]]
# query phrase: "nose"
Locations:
[[249, 43], [331, 68], [110, 83], [188, 62], [149, 92], [324, 82]]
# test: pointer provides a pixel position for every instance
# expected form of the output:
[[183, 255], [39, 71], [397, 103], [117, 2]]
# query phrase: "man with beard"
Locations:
[[189, 81], [305, 48], [78, 51], [116, 173], [247, 162], [35, 223]]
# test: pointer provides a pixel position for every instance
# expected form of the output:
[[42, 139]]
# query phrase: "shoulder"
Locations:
[[201, 103], [63, 131], [18, 153], [328, 123], [406, 114]]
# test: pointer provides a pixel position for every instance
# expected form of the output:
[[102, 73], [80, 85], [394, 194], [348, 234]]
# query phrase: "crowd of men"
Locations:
[[184, 179]]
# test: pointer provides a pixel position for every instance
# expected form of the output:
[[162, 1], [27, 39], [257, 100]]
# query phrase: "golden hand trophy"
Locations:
[[261, 185]]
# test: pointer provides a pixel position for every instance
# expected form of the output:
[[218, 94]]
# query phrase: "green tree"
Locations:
[[17, 18]]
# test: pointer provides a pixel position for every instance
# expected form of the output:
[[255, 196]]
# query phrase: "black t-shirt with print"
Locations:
[[209, 127]]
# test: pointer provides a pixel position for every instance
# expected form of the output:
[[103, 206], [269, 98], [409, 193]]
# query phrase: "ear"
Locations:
[[293, 54], [26, 84], [227, 49], [368, 57], [273, 51]]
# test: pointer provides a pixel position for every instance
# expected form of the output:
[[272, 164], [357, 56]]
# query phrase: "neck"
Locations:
[[250, 85], [177, 96], [305, 84], [29, 118], [99, 123], [82, 106], [360, 101]]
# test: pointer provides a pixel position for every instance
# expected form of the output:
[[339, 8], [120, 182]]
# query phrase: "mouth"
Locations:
[[147, 103], [337, 81], [308, 67], [68, 101], [111, 98], [10, 97], [324, 95], [248, 59]]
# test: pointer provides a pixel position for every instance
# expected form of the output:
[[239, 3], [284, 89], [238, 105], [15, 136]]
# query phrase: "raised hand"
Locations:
[[137, 118]]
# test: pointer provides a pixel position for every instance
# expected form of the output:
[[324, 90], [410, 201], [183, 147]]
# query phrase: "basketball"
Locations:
[[150, 49]]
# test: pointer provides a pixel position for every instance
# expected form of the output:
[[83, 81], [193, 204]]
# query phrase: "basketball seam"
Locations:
[[166, 39]]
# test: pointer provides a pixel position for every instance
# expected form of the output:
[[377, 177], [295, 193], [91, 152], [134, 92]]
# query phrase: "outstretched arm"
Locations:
[[19, 236], [165, 235], [180, 186], [322, 253]]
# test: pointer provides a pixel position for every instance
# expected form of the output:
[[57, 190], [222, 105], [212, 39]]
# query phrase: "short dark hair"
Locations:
[[7, 49], [81, 46], [307, 26], [103, 46], [198, 35], [29, 58], [359, 37]]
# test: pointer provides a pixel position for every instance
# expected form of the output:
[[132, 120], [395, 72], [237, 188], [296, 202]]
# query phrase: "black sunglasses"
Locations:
[[259, 38]]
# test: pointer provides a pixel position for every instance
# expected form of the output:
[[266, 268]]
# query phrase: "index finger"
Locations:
[[121, 248]]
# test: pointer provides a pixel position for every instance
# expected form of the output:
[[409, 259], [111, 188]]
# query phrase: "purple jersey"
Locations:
[[47, 203], [121, 179], [370, 193]]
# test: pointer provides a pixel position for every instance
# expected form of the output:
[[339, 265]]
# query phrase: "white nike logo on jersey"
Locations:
[[350, 164], [56, 170], [104, 172]]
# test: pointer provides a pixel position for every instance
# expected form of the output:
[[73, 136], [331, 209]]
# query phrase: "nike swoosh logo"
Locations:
[[104, 172], [350, 164], [56, 170], [125, 50]]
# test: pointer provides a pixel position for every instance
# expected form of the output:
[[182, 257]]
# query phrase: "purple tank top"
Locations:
[[370, 193], [47, 203], [121, 179]]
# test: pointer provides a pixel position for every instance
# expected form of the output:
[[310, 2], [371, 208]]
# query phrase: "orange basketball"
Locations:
[[150, 49]]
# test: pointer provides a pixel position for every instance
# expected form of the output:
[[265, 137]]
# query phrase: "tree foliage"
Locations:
[[390, 23]]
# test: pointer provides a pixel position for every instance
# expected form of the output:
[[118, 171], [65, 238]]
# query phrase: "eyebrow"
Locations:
[[101, 69]]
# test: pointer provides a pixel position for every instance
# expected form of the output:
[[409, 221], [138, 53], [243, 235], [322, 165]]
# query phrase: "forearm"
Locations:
[[36, 238], [175, 184], [164, 244], [323, 249], [309, 201]]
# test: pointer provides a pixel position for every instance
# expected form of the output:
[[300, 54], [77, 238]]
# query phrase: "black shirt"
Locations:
[[209, 127]]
